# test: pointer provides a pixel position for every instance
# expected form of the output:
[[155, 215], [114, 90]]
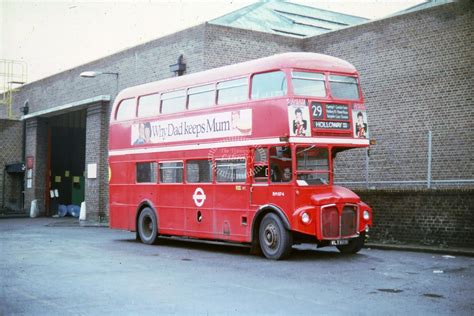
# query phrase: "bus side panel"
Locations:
[[119, 217], [198, 201], [119, 195], [146, 192], [170, 209], [120, 206], [231, 212]]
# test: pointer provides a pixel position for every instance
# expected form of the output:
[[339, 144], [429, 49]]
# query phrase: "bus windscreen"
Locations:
[[308, 84], [344, 87]]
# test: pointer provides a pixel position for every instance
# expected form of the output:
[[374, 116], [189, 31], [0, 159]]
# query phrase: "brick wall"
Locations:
[[96, 189], [429, 217], [36, 146], [10, 152], [227, 45], [416, 73]]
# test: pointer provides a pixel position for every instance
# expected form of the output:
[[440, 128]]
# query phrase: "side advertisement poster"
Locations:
[[209, 126]]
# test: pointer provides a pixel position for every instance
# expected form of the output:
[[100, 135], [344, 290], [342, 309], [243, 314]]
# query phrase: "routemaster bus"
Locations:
[[241, 154]]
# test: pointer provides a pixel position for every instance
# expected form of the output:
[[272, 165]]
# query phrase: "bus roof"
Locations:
[[286, 60]]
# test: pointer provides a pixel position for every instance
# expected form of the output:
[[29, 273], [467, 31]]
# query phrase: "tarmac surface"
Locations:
[[56, 267]]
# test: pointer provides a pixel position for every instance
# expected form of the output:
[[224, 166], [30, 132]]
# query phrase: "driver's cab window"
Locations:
[[280, 164], [312, 164]]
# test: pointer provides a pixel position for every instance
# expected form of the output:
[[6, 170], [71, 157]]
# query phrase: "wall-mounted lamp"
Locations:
[[93, 74], [25, 108], [179, 68]]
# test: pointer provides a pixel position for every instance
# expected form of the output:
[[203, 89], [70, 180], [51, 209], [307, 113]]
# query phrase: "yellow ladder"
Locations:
[[13, 74]]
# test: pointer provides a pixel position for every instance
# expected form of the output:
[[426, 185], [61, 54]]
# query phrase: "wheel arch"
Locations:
[[144, 204], [261, 212]]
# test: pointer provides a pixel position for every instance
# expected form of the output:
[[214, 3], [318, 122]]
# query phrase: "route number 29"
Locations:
[[317, 110]]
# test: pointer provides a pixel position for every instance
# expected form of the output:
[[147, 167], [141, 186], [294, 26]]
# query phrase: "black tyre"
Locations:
[[147, 226], [354, 246], [275, 240]]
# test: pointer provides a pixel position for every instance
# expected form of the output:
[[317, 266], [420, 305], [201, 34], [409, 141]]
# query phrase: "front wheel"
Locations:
[[147, 226], [354, 246], [275, 240]]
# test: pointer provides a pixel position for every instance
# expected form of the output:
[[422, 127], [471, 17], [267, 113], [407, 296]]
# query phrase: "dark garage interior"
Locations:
[[67, 150]]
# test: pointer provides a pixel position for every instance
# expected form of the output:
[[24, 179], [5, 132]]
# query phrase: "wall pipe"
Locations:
[[25, 109], [428, 180]]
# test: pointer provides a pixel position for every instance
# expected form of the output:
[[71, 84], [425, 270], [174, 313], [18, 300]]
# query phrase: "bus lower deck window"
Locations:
[[280, 164], [230, 170], [171, 172], [260, 161], [146, 172], [198, 171]]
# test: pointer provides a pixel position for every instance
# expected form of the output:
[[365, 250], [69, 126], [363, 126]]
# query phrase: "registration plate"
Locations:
[[339, 242]]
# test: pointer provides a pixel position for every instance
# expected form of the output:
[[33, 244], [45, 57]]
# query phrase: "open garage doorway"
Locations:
[[66, 160]]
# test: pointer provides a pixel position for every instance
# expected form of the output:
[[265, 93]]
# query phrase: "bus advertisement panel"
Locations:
[[214, 125]]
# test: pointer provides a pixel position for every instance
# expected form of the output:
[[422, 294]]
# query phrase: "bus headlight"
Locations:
[[366, 215], [305, 218]]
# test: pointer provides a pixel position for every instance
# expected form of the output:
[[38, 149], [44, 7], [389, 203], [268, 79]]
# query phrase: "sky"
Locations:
[[53, 36]]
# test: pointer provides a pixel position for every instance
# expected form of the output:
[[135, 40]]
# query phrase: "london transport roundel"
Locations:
[[199, 197]]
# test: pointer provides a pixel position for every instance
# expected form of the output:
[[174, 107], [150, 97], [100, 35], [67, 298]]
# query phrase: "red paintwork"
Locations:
[[226, 205]]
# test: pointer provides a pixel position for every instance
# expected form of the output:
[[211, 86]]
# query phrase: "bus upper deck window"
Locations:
[[270, 84], [232, 91], [173, 102], [344, 87], [149, 105], [200, 97], [126, 110], [308, 84]]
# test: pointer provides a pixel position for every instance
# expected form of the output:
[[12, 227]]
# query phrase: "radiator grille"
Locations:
[[330, 220], [349, 221], [335, 226]]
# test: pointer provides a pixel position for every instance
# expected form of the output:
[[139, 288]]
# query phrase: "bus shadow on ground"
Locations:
[[298, 253], [328, 254], [195, 244]]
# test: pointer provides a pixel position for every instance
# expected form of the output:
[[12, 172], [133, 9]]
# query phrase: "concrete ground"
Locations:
[[55, 267]]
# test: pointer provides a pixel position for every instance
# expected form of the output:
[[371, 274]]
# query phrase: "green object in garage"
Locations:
[[77, 190]]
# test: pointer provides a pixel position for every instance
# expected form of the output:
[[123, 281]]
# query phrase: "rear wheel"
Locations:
[[354, 246], [275, 240], [147, 226]]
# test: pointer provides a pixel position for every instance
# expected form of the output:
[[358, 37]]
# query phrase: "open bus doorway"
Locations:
[[66, 160]]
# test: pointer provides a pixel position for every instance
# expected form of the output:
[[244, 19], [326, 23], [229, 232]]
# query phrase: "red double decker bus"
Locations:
[[241, 154]]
